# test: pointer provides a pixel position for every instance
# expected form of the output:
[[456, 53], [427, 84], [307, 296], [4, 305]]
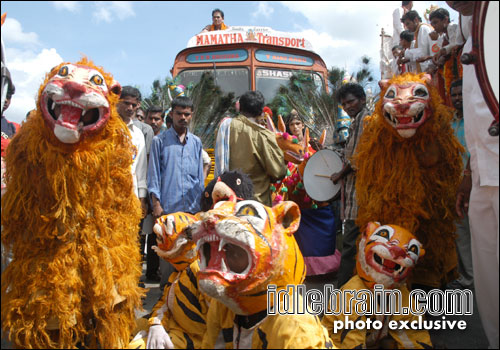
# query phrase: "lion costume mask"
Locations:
[[245, 246], [71, 218], [408, 166]]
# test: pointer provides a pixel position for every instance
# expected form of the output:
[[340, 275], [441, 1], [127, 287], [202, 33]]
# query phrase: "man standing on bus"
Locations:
[[217, 22]]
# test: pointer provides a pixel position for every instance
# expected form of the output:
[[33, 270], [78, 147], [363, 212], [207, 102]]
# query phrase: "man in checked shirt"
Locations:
[[352, 98]]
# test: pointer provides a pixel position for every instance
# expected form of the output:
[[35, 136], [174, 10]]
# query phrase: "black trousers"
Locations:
[[348, 260], [152, 259]]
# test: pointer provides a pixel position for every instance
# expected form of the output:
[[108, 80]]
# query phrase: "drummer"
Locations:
[[352, 98], [316, 235]]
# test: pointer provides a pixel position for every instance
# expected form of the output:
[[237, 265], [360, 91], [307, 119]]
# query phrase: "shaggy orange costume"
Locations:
[[412, 182], [71, 219]]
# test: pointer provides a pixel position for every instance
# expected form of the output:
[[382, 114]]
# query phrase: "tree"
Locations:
[[210, 104], [319, 108]]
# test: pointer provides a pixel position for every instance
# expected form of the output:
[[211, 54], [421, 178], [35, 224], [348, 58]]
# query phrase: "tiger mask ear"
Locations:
[[305, 141], [322, 138], [287, 215]]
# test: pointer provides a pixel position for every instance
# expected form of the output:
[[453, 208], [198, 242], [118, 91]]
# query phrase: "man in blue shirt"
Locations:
[[175, 172]]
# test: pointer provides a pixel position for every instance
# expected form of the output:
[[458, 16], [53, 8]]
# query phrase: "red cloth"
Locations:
[[5, 143]]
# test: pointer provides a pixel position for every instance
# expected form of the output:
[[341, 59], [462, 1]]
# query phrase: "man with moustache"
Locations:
[[352, 98], [175, 173]]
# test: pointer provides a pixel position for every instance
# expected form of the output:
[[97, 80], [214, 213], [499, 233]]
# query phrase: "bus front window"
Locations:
[[235, 80], [268, 81]]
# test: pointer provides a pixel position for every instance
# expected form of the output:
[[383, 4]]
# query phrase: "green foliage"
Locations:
[[210, 104], [317, 107], [313, 104]]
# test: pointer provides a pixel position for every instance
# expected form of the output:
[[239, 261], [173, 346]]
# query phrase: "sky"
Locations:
[[137, 42]]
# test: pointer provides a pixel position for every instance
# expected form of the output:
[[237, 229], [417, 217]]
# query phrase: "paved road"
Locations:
[[472, 337]]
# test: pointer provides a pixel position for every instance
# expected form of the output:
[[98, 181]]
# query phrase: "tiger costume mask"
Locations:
[[386, 255], [245, 246], [174, 240]]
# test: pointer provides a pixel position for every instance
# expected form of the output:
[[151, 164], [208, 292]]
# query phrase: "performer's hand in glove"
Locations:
[[158, 338]]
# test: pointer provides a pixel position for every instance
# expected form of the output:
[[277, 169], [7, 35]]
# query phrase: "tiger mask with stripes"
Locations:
[[243, 247], [174, 240]]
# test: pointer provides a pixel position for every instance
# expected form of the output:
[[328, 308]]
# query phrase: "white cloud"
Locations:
[[263, 10], [12, 33], [108, 11], [71, 6], [28, 69]]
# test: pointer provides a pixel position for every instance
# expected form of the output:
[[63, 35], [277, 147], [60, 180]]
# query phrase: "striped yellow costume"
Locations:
[[243, 247], [182, 309]]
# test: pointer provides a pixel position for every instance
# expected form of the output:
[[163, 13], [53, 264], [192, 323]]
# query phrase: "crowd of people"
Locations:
[[170, 166]]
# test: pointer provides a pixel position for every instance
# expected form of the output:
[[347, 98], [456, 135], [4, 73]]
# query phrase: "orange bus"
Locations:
[[249, 58]]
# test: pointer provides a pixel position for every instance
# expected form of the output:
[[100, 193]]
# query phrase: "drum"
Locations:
[[317, 174]]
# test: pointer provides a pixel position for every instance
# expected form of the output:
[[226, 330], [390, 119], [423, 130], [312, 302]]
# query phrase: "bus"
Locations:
[[249, 58]]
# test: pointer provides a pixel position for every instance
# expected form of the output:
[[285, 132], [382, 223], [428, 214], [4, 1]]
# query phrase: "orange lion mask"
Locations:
[[70, 218], [408, 167]]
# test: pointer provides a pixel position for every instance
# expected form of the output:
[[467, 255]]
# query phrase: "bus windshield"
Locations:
[[268, 81], [236, 80]]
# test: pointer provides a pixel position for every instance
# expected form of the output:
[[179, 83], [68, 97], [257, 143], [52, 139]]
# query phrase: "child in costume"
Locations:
[[386, 256], [178, 319], [244, 247], [70, 218]]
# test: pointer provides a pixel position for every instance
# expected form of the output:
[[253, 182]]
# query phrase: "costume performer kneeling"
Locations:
[[244, 247], [386, 256]]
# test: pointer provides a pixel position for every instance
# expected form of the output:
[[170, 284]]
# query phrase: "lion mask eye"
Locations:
[[97, 79], [414, 249], [382, 234], [391, 93], [420, 91], [64, 71]]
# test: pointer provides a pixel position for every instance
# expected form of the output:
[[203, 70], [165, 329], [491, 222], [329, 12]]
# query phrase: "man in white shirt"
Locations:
[[126, 107], [450, 39], [478, 193], [397, 50], [407, 43], [421, 54], [396, 20], [130, 99]]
